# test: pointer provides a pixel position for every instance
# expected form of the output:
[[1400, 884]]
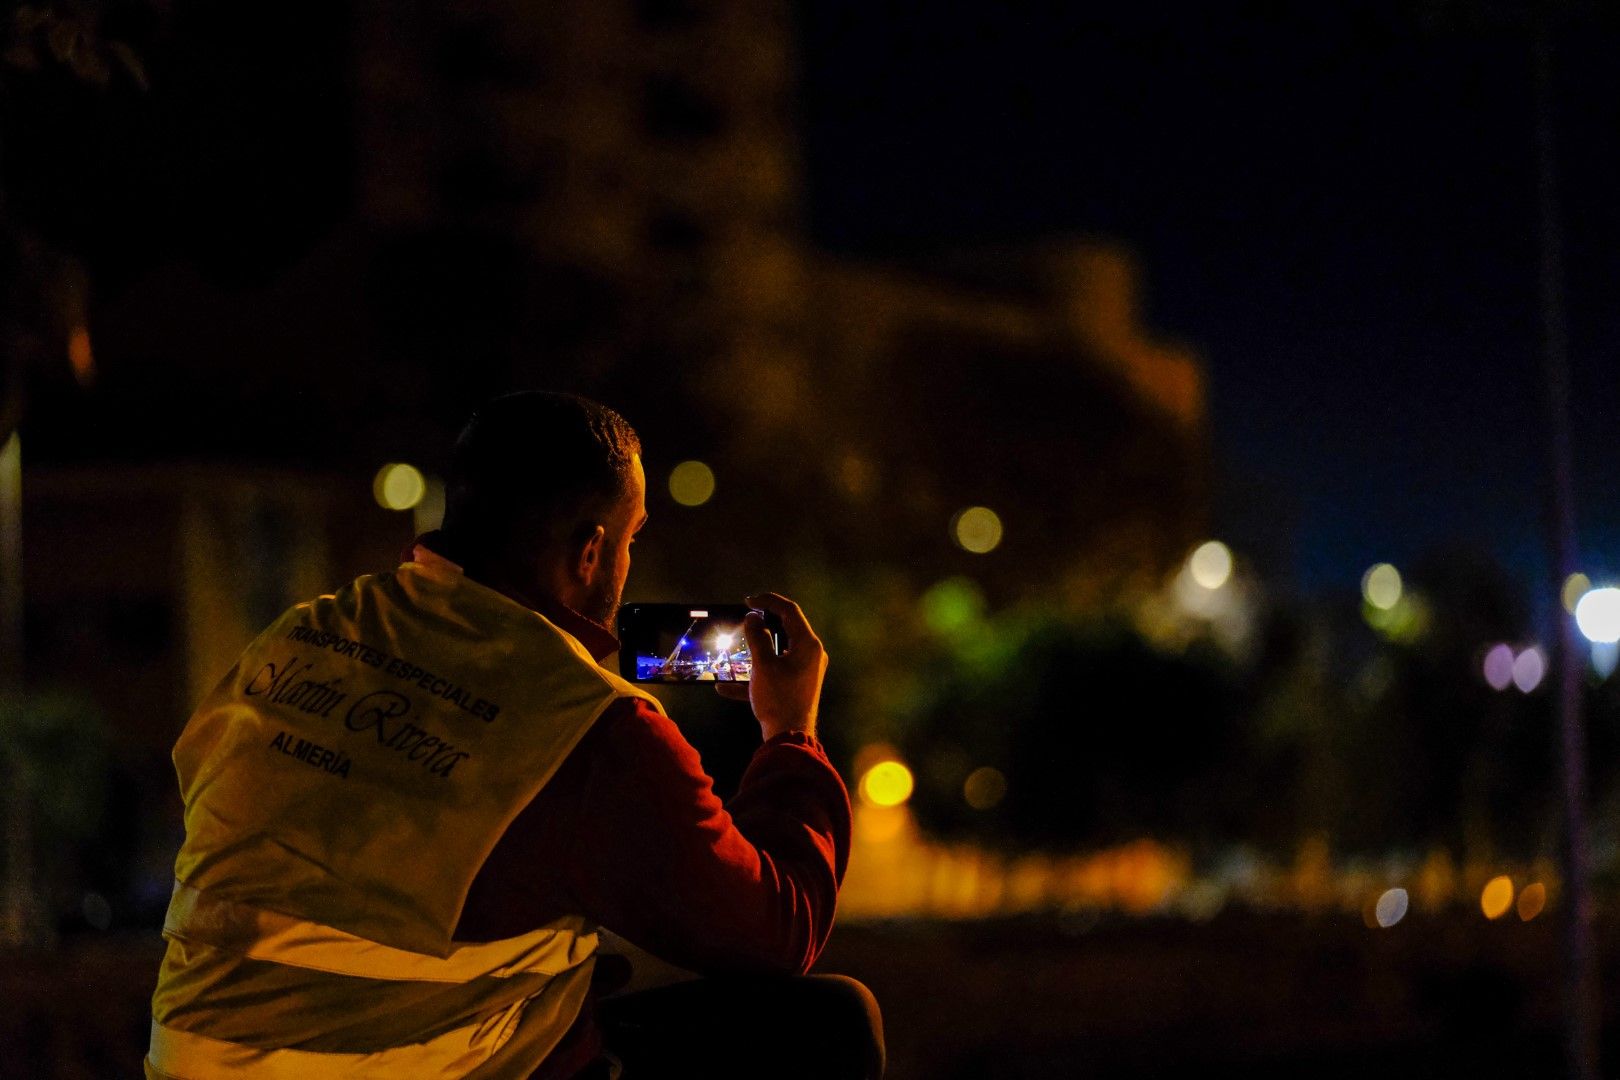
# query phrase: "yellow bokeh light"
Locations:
[[398, 486], [984, 787], [1497, 897], [1532, 900], [1381, 586], [1211, 565], [1576, 586], [977, 529], [888, 783], [691, 483]]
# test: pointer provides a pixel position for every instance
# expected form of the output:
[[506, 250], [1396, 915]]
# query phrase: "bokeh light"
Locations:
[[1598, 615], [691, 483], [1499, 666], [1496, 897], [888, 783], [1381, 586], [80, 356], [1532, 900], [984, 787], [1211, 565], [1391, 907], [398, 486], [977, 529], [1576, 586], [1528, 669], [952, 605]]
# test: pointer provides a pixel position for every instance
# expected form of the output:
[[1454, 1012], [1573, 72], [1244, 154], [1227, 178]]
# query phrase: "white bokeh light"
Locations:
[[1391, 907], [1381, 586], [1598, 614], [1211, 565], [1528, 669]]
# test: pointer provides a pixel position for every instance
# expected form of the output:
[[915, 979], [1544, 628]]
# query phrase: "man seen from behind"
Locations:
[[414, 805]]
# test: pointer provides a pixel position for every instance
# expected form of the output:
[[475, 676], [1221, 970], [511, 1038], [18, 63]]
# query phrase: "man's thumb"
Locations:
[[758, 638]]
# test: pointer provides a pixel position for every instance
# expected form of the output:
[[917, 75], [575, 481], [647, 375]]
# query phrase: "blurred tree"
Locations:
[[1381, 733], [54, 748], [1101, 737], [1381, 738]]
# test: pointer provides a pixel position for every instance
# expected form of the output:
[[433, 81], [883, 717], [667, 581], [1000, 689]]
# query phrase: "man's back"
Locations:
[[343, 786]]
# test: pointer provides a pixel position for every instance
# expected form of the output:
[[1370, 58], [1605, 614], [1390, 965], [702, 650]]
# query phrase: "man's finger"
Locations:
[[793, 620], [758, 638], [735, 691]]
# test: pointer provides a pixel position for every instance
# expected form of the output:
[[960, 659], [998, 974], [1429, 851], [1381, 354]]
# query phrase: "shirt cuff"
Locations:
[[795, 738]]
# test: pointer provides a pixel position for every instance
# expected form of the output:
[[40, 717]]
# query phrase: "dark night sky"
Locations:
[[1338, 211]]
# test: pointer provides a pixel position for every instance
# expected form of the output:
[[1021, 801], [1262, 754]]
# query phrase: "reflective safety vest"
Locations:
[[342, 786]]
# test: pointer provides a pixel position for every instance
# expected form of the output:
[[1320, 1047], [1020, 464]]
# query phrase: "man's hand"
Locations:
[[785, 689]]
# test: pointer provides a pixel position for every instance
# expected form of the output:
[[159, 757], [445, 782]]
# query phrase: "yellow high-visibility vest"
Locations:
[[343, 785]]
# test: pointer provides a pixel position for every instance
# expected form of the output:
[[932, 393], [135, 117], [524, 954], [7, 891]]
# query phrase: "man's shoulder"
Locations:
[[633, 728], [640, 717]]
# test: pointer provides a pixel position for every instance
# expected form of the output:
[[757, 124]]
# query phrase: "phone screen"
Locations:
[[686, 643]]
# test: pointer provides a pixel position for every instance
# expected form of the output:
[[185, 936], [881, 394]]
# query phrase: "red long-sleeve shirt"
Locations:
[[630, 834]]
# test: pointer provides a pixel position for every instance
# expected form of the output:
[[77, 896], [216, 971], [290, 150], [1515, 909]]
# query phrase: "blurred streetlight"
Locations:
[[1532, 900], [1575, 586], [1598, 615], [1497, 897], [1211, 564], [398, 486], [1381, 586], [1528, 669], [985, 787], [888, 783], [977, 529], [1391, 907], [1499, 666], [691, 483]]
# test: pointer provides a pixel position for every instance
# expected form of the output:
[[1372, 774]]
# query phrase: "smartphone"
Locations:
[[688, 643]]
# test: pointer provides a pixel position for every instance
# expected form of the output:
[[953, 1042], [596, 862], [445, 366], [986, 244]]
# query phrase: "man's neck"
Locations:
[[522, 589], [491, 571]]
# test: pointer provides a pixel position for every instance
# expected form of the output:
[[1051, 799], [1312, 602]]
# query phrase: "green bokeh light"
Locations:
[[952, 606]]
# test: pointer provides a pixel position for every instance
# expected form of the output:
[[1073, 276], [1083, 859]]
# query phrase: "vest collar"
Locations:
[[597, 639]]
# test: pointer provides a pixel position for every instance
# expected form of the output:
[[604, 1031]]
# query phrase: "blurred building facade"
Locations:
[[636, 163], [608, 198]]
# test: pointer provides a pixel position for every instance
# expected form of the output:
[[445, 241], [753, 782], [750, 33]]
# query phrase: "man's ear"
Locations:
[[587, 558]]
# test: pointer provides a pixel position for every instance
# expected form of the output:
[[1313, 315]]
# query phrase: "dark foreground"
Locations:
[[1260, 996]]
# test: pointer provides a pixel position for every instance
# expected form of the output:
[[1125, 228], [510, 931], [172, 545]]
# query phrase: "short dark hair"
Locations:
[[527, 465]]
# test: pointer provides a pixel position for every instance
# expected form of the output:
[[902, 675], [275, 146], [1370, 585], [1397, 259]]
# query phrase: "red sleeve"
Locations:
[[630, 834]]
